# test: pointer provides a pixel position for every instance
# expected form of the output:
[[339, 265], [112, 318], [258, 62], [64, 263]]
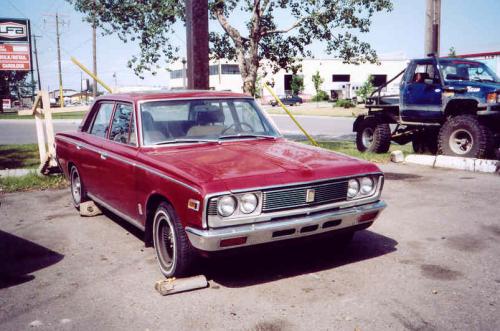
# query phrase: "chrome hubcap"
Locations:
[[367, 137], [165, 241], [76, 187], [461, 141]]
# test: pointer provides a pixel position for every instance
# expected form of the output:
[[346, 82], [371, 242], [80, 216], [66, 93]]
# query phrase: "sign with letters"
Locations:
[[15, 48]]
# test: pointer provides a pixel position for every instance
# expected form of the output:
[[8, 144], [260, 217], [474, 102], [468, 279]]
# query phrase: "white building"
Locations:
[[340, 80]]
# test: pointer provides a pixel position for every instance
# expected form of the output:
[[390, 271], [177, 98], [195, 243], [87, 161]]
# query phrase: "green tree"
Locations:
[[14, 85], [297, 84], [334, 23], [452, 52], [317, 81], [366, 89]]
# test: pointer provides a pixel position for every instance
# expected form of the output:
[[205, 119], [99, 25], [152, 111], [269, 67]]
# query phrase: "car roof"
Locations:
[[170, 94]]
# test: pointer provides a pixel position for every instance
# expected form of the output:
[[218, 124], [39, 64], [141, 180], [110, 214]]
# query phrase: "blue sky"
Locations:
[[469, 26]]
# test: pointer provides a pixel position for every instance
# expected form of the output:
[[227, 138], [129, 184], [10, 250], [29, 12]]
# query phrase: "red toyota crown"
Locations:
[[209, 171]]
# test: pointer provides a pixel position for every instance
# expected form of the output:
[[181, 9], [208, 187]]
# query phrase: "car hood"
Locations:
[[247, 164]]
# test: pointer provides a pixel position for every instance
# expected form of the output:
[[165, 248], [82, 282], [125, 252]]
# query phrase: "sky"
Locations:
[[467, 25]]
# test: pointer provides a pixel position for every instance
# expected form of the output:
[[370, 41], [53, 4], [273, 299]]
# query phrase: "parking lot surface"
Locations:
[[430, 262]]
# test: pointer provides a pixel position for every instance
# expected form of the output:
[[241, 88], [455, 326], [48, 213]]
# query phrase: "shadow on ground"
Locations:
[[20, 257], [269, 263]]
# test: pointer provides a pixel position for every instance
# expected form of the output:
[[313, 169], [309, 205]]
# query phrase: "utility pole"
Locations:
[[432, 27], [94, 51], [58, 22], [197, 44], [94, 58], [36, 61], [58, 35]]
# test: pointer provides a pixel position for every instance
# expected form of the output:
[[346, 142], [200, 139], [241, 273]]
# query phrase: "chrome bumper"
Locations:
[[291, 227]]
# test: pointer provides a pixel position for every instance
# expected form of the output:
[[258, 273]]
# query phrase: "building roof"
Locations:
[[483, 54]]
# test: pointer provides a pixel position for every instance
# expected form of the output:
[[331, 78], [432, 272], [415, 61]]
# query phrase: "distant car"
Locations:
[[289, 100], [207, 171]]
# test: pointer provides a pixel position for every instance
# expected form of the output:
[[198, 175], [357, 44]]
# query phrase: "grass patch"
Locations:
[[349, 148], [19, 156], [57, 116], [32, 182]]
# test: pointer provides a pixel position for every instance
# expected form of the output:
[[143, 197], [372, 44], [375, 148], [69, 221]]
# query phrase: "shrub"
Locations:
[[344, 103], [321, 96]]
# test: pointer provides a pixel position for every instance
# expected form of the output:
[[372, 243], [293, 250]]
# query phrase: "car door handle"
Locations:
[[104, 156], [78, 147]]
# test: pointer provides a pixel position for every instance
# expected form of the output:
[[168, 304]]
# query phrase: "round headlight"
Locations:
[[366, 186], [352, 188], [248, 203], [226, 206]]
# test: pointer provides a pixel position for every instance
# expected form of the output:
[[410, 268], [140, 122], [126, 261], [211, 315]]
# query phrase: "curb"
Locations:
[[15, 172], [455, 162]]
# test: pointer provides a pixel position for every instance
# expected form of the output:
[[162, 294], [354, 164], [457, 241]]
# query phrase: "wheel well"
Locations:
[[460, 107], [153, 201]]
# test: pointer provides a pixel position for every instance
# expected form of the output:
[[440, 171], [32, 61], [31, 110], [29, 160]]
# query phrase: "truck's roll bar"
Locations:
[[378, 90]]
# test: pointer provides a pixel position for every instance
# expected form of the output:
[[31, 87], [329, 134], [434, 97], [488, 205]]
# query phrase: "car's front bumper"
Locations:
[[288, 228]]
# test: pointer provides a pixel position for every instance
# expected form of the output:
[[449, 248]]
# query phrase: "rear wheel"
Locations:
[[173, 250], [77, 188], [373, 136], [465, 136]]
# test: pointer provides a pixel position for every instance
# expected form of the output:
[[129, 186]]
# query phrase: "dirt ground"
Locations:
[[431, 262]]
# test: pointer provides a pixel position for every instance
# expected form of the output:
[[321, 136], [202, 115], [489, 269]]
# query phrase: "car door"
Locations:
[[90, 151], [118, 170], [421, 97]]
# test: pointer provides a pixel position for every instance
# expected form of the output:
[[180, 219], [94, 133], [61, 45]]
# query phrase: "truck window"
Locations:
[[423, 72]]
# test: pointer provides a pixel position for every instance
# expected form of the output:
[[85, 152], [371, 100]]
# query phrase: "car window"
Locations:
[[171, 120], [100, 126], [122, 126]]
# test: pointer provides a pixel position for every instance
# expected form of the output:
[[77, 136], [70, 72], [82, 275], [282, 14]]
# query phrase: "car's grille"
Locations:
[[279, 199], [212, 207]]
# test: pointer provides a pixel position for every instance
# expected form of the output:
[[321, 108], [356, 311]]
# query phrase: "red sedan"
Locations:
[[209, 171]]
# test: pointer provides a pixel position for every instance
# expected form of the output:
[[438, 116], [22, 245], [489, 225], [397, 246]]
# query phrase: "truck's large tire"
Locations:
[[465, 136], [373, 136]]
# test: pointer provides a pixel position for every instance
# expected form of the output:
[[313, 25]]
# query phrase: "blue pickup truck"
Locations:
[[447, 106]]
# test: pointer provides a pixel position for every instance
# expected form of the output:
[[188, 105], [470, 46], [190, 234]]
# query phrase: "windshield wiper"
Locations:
[[186, 140], [247, 135]]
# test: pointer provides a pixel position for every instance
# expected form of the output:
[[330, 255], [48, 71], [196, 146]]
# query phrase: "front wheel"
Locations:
[[373, 136], [173, 249], [465, 136]]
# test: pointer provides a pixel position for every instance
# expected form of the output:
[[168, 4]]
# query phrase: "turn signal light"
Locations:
[[491, 98], [233, 241], [368, 217]]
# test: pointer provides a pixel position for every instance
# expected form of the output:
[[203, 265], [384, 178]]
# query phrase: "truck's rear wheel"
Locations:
[[373, 136], [465, 136]]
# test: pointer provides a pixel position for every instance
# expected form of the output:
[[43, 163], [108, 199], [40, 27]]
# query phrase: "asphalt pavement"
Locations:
[[322, 127], [430, 262]]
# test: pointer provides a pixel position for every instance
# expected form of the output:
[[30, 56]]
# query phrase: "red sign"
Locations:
[[15, 57]]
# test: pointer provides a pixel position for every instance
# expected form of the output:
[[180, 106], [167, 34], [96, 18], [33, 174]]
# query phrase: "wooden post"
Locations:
[[42, 151], [197, 44], [432, 27], [49, 127]]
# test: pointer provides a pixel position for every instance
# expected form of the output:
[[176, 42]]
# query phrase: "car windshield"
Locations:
[[468, 71], [195, 121]]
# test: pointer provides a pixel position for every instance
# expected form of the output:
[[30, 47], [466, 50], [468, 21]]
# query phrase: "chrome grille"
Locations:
[[295, 197], [212, 207]]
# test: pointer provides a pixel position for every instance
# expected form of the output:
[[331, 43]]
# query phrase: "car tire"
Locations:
[[78, 192], [425, 142], [465, 136], [373, 136], [174, 252]]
